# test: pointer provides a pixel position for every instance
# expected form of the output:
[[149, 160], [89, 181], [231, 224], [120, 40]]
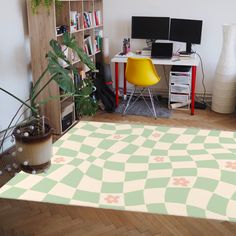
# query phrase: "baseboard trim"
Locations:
[[165, 93]]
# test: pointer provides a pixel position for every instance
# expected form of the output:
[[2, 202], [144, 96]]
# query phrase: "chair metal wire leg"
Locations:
[[153, 107], [127, 105], [144, 99]]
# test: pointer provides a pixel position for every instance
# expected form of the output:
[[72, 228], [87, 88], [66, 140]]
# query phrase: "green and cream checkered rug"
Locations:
[[176, 171]]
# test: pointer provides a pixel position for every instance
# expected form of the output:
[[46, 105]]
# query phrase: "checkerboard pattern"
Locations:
[[165, 170]]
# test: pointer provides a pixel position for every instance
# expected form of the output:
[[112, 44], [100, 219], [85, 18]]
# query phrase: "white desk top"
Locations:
[[175, 60]]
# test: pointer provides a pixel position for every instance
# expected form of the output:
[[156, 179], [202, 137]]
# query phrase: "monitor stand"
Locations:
[[188, 51], [185, 53]]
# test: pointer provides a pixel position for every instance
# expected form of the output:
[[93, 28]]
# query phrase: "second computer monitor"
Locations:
[[146, 27], [186, 30]]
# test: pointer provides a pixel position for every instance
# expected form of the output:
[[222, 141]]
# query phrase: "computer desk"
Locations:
[[192, 61]]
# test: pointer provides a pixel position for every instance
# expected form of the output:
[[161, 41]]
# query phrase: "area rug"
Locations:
[[156, 169], [141, 109]]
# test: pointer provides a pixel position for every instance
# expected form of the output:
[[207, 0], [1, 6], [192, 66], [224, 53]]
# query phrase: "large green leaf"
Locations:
[[62, 77], [57, 51], [85, 104], [71, 42], [65, 83]]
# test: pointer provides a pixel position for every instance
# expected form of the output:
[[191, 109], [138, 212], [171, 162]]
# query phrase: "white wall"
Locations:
[[14, 57], [214, 13]]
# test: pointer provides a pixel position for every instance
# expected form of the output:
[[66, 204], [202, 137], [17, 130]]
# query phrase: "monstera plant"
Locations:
[[33, 136]]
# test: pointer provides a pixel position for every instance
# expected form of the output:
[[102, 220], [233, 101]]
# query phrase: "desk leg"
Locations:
[[125, 82], [194, 74], [117, 82]]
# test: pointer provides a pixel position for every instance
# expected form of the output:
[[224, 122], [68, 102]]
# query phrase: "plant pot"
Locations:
[[33, 152]]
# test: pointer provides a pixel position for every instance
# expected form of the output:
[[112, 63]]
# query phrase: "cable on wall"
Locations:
[[203, 77]]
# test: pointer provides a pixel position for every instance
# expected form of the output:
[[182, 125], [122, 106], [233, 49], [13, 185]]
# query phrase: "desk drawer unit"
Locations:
[[181, 79], [179, 97], [180, 88]]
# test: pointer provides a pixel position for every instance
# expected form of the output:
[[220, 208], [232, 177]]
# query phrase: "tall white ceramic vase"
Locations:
[[224, 87]]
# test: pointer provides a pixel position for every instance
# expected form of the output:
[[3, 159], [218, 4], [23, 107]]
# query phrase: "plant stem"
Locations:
[[37, 83], [44, 86], [9, 126]]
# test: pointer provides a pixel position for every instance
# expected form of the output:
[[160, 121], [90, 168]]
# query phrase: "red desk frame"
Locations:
[[193, 62]]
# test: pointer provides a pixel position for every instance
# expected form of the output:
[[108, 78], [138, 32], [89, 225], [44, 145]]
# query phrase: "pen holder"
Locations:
[[126, 46]]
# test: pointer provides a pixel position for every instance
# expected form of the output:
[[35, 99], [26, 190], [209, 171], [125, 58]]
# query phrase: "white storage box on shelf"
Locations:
[[180, 88], [180, 79], [179, 97]]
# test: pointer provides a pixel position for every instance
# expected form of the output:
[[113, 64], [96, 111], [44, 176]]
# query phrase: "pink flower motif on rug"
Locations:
[[231, 165], [156, 135], [112, 199], [181, 182], [159, 159], [117, 136], [59, 160]]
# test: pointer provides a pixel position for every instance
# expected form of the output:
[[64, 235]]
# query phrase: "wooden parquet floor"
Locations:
[[29, 218]]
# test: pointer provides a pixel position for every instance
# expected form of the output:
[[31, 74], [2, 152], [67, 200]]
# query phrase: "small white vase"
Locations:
[[224, 87]]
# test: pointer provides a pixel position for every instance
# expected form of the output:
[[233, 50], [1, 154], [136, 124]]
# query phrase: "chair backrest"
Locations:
[[141, 72]]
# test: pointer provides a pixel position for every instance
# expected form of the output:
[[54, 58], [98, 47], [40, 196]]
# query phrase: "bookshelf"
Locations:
[[83, 19]]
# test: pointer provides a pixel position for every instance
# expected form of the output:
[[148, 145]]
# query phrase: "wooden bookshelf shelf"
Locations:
[[83, 19]]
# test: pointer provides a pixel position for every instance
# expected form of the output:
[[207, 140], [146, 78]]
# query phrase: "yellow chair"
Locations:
[[141, 73]]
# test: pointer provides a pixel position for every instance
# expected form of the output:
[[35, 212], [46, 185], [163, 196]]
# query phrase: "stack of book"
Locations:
[[98, 40], [88, 47], [97, 17], [92, 19], [74, 21], [88, 19], [146, 52], [66, 53]]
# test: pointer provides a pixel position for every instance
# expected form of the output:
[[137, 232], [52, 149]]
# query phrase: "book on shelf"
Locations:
[[77, 80], [85, 23], [97, 16], [74, 56], [88, 45], [66, 53], [85, 20], [94, 19], [91, 18], [88, 19], [98, 34], [95, 46], [86, 48], [74, 21], [98, 43]]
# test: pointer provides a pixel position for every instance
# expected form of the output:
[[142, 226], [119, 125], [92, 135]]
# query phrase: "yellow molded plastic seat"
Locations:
[[141, 73]]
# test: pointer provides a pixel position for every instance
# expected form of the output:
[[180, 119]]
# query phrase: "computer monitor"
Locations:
[[147, 27], [185, 30]]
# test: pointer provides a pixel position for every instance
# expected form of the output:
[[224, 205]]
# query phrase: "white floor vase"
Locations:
[[224, 87]]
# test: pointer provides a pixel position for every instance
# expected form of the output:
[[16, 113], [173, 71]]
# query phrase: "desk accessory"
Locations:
[[126, 45]]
